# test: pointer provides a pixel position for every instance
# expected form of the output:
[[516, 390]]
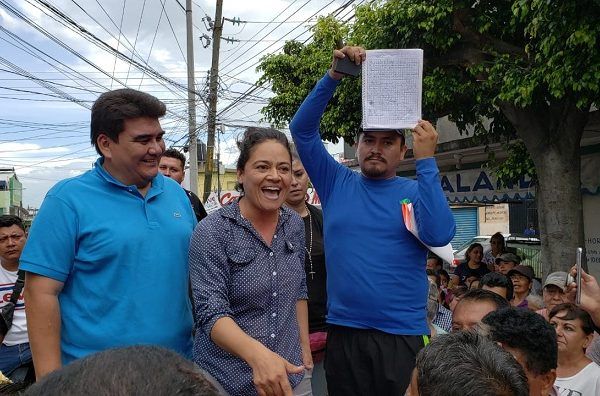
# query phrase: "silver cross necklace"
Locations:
[[309, 249]]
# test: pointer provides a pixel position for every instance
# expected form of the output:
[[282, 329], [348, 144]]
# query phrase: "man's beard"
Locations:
[[373, 172]]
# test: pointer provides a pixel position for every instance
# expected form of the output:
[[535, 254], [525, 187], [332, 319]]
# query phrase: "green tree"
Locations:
[[531, 66]]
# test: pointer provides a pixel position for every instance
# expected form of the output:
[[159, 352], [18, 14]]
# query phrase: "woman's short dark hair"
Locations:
[[254, 136], [498, 236], [470, 249], [572, 312], [444, 272], [112, 108]]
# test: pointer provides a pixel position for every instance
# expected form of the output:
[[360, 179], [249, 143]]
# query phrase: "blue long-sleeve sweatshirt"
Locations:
[[375, 267]]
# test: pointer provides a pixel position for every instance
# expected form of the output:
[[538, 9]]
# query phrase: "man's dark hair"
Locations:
[[112, 108], [465, 363], [527, 332], [572, 312], [496, 279], [11, 220], [438, 260], [499, 237], [254, 136], [137, 370], [485, 295], [173, 153]]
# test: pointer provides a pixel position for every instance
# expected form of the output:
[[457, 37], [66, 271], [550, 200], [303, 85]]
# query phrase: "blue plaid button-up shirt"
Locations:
[[235, 273]]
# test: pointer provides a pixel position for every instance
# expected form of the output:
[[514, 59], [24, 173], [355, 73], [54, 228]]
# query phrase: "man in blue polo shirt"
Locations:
[[376, 282], [106, 258]]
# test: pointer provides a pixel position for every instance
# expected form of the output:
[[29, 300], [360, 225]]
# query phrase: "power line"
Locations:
[[272, 30], [52, 88], [251, 90], [344, 6], [257, 33], [162, 2], [92, 38], [133, 52], [119, 39], [137, 33], [239, 21]]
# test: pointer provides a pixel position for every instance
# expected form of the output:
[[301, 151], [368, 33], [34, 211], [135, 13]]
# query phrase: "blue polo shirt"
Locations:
[[122, 258]]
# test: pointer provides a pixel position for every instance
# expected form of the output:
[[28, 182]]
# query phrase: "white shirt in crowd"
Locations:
[[584, 383], [17, 334]]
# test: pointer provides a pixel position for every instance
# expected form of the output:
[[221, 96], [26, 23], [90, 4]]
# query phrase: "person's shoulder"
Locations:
[[593, 368], [71, 185], [219, 219], [292, 221], [191, 194], [169, 184], [314, 210], [291, 216]]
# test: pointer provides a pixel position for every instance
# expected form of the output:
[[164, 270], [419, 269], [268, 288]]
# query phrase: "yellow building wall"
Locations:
[[227, 181]]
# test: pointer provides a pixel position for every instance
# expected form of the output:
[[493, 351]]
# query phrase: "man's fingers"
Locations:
[[355, 54], [338, 54]]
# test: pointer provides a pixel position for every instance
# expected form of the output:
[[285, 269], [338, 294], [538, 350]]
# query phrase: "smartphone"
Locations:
[[578, 276], [346, 66]]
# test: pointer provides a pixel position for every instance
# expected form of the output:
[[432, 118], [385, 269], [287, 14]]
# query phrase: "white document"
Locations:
[[392, 88], [408, 214]]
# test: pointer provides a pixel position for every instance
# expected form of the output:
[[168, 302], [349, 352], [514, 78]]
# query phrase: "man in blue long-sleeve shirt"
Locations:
[[377, 286]]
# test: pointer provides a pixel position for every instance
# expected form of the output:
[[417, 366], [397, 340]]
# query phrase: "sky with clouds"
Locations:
[[54, 63]]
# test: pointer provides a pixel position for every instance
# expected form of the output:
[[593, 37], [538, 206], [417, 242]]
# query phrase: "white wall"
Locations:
[[493, 219], [591, 224]]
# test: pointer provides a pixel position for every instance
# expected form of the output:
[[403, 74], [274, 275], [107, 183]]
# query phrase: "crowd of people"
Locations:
[[130, 288], [558, 344]]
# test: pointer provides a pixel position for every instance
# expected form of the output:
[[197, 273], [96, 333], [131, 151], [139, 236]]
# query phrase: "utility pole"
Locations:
[[192, 136], [212, 99]]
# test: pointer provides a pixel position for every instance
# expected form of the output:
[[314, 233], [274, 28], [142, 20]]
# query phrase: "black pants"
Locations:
[[369, 362]]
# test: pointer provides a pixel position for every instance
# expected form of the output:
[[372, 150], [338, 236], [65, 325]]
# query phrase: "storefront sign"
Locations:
[[479, 185]]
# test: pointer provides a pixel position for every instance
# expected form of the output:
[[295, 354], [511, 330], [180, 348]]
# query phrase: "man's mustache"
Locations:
[[376, 157]]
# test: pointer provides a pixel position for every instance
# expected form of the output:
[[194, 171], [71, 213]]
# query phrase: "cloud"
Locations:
[[42, 162]]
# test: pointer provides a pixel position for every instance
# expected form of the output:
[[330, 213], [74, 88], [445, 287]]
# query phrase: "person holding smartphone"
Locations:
[[590, 293]]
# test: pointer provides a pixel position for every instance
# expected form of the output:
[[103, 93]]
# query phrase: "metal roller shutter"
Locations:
[[467, 225]]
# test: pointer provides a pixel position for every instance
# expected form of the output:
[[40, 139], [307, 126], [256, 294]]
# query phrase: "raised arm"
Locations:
[[321, 167], [433, 215]]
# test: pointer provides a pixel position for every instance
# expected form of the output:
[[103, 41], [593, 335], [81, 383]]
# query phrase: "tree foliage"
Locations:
[[532, 67], [480, 55]]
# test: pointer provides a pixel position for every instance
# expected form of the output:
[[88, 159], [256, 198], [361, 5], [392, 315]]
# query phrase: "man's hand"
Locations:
[[590, 293], [270, 373], [425, 139], [356, 54]]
